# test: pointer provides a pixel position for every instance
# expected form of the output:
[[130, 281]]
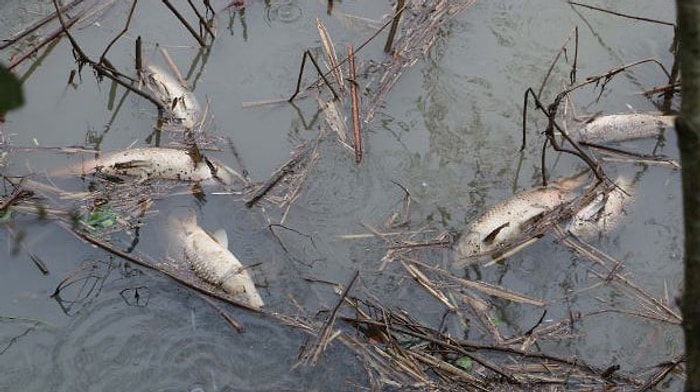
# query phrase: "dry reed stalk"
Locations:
[[286, 169], [482, 309], [173, 67], [184, 22], [597, 256], [334, 120], [428, 285], [355, 106], [483, 287], [312, 353], [418, 36], [331, 56]]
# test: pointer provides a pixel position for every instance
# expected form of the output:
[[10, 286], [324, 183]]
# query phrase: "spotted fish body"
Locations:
[[163, 163], [605, 213], [178, 100], [211, 260], [621, 127], [504, 223]]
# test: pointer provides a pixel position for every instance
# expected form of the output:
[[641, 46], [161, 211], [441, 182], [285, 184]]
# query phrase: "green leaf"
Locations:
[[11, 96], [465, 363], [101, 218]]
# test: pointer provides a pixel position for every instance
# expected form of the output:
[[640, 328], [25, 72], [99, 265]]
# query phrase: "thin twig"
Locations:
[[182, 20], [124, 30], [313, 352], [623, 15], [308, 54], [202, 21]]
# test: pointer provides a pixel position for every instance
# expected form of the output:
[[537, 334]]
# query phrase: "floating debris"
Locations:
[[605, 212], [181, 104], [209, 257], [504, 224], [162, 163], [621, 127]]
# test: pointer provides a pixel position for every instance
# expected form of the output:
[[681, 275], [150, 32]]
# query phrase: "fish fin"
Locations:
[[492, 235], [221, 237]]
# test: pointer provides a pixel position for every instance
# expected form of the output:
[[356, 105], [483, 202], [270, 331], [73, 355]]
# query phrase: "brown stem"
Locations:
[[355, 106]]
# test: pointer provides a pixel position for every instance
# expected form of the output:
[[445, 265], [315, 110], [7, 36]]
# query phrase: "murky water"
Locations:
[[449, 132]]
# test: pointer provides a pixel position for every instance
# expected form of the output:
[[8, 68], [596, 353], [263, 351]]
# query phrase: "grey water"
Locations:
[[449, 132]]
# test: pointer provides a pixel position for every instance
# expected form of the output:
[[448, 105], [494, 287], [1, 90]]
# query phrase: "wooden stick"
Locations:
[[394, 26], [355, 106]]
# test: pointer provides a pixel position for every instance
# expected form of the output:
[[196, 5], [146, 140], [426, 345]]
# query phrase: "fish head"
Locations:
[[468, 248], [241, 286], [180, 225]]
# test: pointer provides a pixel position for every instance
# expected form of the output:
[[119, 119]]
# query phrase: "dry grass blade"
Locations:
[[286, 169], [428, 285], [644, 298], [422, 20], [311, 353], [335, 121], [482, 309], [665, 370], [453, 373], [485, 288], [331, 56]]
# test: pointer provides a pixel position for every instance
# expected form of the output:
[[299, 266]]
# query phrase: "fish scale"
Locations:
[[161, 163], [502, 224], [620, 127]]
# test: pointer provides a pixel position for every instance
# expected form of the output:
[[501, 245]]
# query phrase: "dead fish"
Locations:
[[504, 223], [621, 127], [177, 99], [604, 213], [162, 163], [209, 257]]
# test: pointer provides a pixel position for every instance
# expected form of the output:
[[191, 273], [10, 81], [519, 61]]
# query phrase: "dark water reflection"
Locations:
[[449, 133]]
